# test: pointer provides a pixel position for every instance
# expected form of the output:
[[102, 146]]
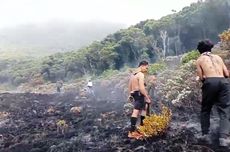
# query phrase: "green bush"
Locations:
[[18, 80], [193, 55], [108, 73], [156, 67]]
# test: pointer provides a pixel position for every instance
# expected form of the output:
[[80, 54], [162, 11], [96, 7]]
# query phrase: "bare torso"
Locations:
[[134, 82], [211, 65]]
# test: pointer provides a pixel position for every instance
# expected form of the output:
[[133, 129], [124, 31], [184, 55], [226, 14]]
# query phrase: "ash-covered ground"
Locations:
[[46, 123]]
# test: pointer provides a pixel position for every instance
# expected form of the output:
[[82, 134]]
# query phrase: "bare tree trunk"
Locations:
[[133, 51], [154, 46], [164, 36], [178, 48], [90, 64], [177, 44], [167, 46], [84, 70]]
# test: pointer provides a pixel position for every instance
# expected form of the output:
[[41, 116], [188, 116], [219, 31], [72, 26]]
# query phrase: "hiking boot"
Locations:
[[224, 142], [205, 138], [135, 135]]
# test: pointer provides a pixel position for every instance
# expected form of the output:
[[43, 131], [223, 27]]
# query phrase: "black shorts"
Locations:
[[139, 100], [216, 91]]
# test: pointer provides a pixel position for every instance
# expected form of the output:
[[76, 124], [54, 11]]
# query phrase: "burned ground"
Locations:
[[45, 122]]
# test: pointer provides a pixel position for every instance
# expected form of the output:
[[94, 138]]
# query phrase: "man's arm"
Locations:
[[199, 70], [225, 70], [141, 84]]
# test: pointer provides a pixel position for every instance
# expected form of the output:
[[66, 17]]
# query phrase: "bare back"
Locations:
[[211, 65], [134, 82]]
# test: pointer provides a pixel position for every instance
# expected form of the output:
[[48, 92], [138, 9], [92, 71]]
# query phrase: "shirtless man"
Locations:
[[138, 92], [215, 90], [59, 85]]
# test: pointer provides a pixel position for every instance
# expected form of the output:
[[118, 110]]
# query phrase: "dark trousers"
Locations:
[[58, 89], [216, 91]]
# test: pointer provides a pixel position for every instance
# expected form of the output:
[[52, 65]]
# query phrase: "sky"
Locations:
[[127, 12]]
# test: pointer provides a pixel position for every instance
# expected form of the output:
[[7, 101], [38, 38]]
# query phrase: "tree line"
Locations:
[[150, 40], [173, 34]]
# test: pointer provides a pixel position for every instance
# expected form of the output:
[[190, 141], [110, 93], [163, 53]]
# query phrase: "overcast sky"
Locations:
[[128, 12]]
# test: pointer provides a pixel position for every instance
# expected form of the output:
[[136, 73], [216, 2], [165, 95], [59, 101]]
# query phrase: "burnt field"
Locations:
[[64, 123]]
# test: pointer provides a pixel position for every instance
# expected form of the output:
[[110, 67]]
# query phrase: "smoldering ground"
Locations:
[[48, 122]]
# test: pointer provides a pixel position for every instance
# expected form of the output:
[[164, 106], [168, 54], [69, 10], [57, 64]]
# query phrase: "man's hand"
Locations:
[[199, 79], [148, 100], [130, 98]]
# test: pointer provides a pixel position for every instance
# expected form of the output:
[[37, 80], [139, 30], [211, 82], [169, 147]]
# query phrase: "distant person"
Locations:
[[140, 96], [59, 85], [90, 87], [90, 84], [215, 91]]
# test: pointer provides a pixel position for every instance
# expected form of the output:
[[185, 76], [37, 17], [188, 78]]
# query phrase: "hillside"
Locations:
[[46, 122], [174, 34], [34, 117], [151, 40]]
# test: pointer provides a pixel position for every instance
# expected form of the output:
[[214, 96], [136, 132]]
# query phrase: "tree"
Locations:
[[164, 37]]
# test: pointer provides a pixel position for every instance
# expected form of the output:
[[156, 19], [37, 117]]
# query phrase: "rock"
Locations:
[[76, 110], [86, 138], [3, 115], [50, 110], [36, 101]]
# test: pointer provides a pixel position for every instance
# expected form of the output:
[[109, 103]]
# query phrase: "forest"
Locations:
[[150, 40]]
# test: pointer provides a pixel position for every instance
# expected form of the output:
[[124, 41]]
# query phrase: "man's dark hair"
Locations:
[[205, 46], [143, 63]]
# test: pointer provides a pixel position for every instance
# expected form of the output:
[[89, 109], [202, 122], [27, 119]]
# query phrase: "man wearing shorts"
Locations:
[[215, 91], [138, 92]]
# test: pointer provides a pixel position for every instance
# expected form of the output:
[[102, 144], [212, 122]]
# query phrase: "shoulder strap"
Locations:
[[207, 54], [136, 73]]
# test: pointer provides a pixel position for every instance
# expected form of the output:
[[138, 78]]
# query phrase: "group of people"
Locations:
[[88, 88], [212, 72]]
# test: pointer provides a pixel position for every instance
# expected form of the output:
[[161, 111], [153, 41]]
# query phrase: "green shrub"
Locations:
[[109, 73], [156, 67], [18, 80], [193, 55]]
